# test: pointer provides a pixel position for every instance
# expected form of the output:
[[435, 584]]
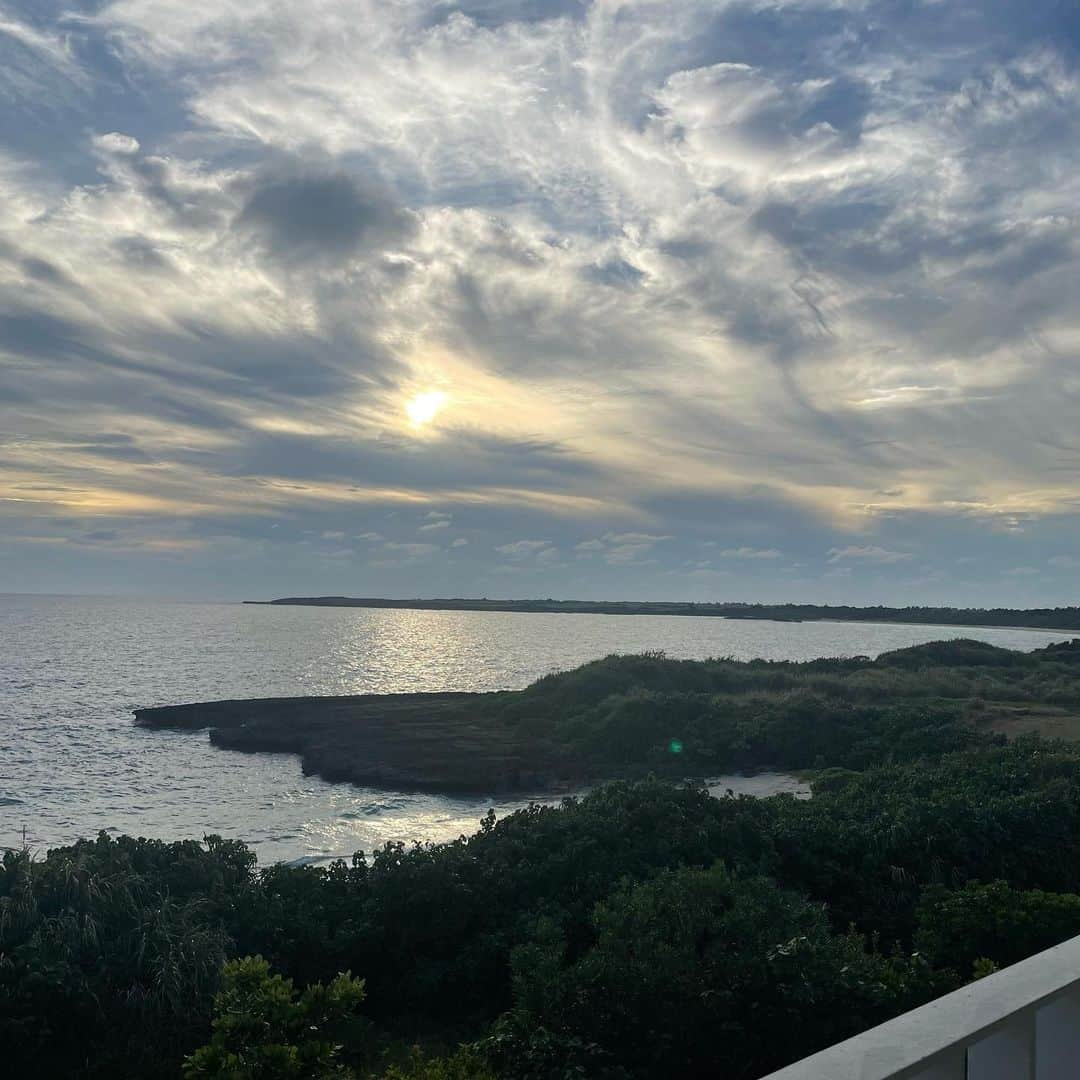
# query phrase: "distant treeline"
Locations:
[[1059, 618]]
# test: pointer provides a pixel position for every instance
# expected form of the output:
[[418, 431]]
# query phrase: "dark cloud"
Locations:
[[685, 247], [35, 333], [266, 367], [312, 217], [455, 461], [1025, 257], [44, 271]]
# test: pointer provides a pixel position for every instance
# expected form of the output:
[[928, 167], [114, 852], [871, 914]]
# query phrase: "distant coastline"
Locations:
[[1061, 618]]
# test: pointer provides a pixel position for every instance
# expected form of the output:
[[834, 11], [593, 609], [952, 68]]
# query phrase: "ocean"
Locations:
[[72, 669]]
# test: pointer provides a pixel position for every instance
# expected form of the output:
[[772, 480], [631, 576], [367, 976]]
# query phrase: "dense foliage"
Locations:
[[629, 716], [645, 930]]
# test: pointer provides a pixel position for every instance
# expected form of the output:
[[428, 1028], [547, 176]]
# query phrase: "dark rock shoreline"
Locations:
[[406, 742]]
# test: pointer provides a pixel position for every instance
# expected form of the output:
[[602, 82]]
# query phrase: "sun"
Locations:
[[423, 408]]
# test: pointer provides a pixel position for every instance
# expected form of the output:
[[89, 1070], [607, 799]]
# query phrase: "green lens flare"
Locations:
[[675, 746]]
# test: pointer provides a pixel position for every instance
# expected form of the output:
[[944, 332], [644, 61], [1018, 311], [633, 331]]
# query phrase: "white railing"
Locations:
[[1021, 1023]]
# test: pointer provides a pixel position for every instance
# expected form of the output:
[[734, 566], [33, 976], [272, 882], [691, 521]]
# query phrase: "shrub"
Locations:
[[263, 1031]]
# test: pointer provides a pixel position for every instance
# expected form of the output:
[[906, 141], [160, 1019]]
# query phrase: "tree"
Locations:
[[696, 973], [263, 1031], [992, 923]]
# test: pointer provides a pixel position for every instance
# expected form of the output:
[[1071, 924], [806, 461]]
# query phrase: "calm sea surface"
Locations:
[[73, 668]]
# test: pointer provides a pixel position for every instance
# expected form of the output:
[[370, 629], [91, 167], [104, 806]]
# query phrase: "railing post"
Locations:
[[1007, 1054], [1057, 1038]]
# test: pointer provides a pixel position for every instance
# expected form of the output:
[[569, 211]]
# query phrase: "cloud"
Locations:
[[523, 549], [725, 272], [627, 554], [617, 273], [48, 46], [115, 142], [409, 551], [750, 553], [870, 553], [304, 217], [436, 520], [635, 538], [622, 548]]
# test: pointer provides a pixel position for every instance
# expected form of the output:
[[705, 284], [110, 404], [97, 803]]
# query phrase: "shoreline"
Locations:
[[419, 742], [940, 626]]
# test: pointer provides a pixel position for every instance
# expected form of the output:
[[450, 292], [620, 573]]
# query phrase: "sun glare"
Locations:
[[423, 408]]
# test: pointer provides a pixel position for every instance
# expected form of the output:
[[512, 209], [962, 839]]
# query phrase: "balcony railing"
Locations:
[[1021, 1023]]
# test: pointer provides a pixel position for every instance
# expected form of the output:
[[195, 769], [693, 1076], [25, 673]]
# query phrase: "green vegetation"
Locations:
[[1063, 618], [645, 930], [261, 1029]]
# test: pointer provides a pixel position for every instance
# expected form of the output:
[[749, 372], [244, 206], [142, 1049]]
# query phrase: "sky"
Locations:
[[739, 300]]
